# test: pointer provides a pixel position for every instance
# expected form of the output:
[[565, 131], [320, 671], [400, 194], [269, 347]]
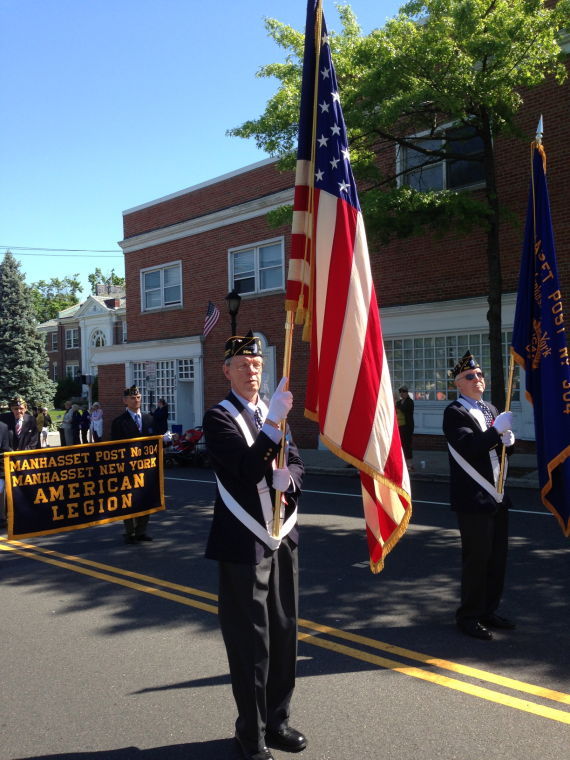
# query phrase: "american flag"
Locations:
[[330, 288], [212, 316]]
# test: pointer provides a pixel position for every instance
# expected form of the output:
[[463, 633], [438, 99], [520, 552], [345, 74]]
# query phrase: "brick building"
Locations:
[[196, 245], [72, 338]]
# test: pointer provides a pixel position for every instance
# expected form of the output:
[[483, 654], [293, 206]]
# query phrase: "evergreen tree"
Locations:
[[23, 356]]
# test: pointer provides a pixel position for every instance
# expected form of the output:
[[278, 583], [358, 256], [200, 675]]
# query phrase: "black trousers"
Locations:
[[258, 610], [484, 545]]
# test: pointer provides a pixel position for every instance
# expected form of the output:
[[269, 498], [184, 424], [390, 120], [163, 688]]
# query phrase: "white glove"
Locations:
[[280, 404], [167, 437], [281, 479], [503, 422], [508, 438]]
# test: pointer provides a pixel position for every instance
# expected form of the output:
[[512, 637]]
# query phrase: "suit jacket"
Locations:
[[124, 426], [4, 445], [29, 437], [240, 468], [464, 434]]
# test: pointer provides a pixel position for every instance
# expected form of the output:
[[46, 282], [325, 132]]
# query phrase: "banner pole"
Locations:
[[501, 483], [289, 324]]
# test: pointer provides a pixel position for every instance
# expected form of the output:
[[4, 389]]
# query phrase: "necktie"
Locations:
[[138, 421], [486, 413], [258, 419], [18, 427]]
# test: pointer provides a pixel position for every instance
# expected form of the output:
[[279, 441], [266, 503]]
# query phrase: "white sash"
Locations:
[[263, 533], [478, 415]]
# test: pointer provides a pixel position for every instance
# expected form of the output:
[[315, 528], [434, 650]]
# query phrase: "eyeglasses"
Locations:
[[256, 367], [473, 375]]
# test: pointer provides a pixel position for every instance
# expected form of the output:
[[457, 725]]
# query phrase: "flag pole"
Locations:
[[290, 321], [501, 483], [537, 142]]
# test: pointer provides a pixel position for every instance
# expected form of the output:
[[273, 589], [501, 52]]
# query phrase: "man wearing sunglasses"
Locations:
[[476, 434]]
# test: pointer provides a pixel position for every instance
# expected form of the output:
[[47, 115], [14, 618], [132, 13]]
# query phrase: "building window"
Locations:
[[54, 371], [161, 385], [423, 363], [72, 371], [98, 339], [124, 331], [53, 341], [185, 369], [443, 174], [161, 287], [258, 268], [72, 337]]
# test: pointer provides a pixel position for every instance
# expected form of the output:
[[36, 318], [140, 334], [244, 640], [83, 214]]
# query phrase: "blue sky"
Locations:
[[107, 104]]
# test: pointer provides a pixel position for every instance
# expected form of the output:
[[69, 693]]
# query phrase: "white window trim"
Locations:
[[400, 167], [75, 375], [52, 336], [161, 268], [70, 331], [258, 244]]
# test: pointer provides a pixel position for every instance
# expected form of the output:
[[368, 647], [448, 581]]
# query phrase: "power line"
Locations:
[[61, 251]]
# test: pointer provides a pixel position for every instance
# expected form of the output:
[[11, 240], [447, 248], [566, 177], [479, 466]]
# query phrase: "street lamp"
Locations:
[[234, 300]]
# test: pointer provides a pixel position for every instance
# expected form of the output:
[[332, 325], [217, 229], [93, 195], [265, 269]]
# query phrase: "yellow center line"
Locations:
[[73, 563], [455, 667], [451, 683]]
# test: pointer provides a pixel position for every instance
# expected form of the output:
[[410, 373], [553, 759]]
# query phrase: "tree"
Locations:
[[98, 278], [439, 62], [49, 297], [23, 357]]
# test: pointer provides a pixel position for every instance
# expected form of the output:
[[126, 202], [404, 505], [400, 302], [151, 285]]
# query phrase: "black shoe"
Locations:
[[130, 539], [475, 629], [286, 738], [256, 754], [496, 621], [144, 537]]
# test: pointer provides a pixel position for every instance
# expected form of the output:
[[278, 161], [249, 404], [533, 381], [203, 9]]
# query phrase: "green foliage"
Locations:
[[23, 357], [67, 388], [439, 62], [49, 297], [98, 278]]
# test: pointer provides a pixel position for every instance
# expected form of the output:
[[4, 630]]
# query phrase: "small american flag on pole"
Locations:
[[212, 316], [330, 288]]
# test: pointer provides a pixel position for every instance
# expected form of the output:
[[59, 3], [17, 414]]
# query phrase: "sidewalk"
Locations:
[[428, 466]]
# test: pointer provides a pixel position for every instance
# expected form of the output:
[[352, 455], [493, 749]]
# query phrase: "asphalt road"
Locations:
[[112, 652]]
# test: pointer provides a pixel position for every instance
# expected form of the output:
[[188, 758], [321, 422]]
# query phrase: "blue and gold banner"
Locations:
[[539, 346], [69, 487]]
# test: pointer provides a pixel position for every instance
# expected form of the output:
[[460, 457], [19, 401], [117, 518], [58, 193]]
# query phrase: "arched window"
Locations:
[[98, 338]]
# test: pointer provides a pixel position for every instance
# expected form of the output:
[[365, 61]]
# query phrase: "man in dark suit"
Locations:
[[4, 446], [258, 571], [132, 423], [22, 426], [476, 434]]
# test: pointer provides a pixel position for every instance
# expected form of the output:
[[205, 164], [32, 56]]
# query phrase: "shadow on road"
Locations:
[[220, 749]]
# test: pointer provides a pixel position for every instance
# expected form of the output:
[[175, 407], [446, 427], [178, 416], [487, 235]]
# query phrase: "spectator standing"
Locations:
[[96, 422], [160, 416], [66, 425], [85, 425], [405, 414], [75, 424], [43, 422]]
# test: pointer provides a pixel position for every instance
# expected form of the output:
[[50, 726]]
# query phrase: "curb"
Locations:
[[435, 477]]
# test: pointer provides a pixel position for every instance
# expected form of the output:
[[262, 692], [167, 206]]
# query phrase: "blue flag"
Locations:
[[539, 346]]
